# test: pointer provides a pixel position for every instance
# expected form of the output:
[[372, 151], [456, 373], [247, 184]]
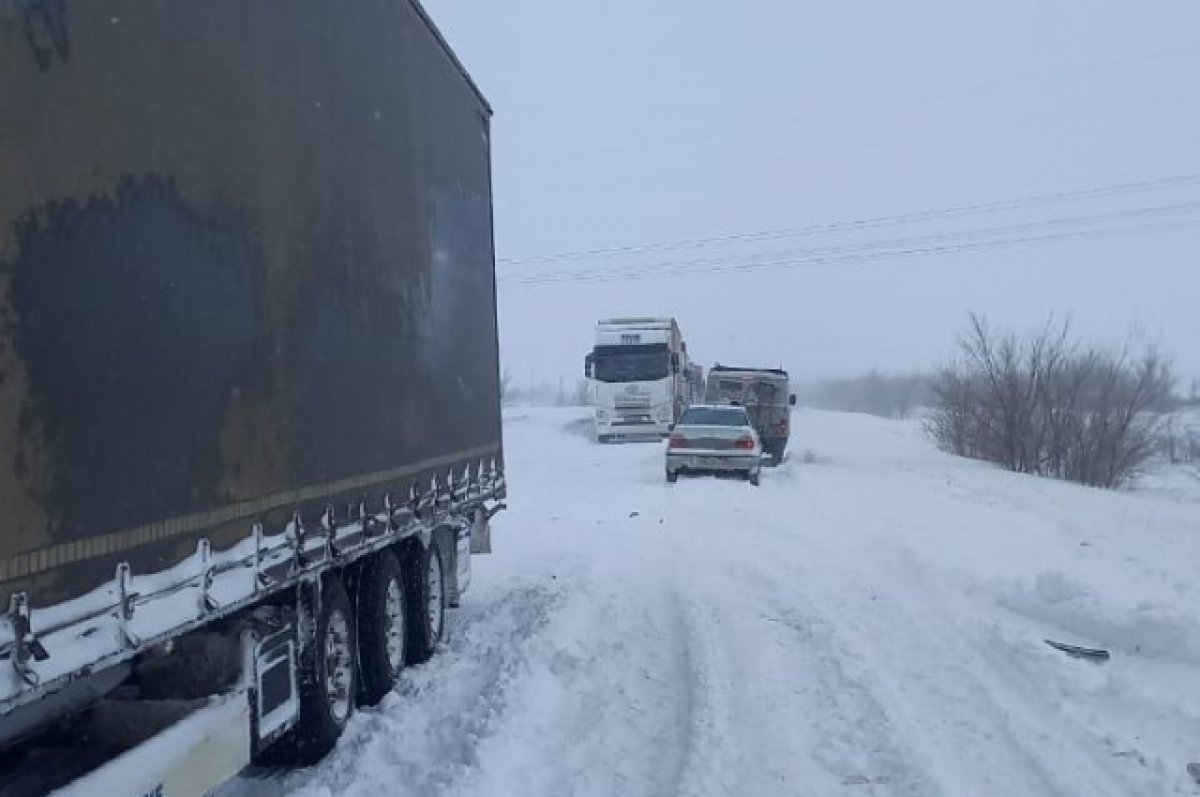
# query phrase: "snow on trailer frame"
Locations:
[[272, 351], [134, 613]]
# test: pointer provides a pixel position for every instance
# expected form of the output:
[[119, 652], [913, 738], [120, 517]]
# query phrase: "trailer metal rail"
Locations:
[[43, 651]]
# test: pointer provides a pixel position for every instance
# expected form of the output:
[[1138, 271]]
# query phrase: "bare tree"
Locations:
[[1044, 405], [955, 424], [506, 387], [582, 396]]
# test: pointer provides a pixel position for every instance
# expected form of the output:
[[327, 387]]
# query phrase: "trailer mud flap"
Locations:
[[481, 533], [188, 759]]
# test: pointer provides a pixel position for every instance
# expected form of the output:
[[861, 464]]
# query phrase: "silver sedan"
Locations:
[[714, 439]]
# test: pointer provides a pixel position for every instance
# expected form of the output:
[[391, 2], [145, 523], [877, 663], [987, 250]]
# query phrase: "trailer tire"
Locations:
[[425, 582], [382, 627], [326, 704]]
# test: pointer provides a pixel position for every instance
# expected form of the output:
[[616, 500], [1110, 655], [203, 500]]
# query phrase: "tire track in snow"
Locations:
[[1013, 674], [857, 741], [712, 763], [778, 703], [602, 708], [425, 735], [819, 694], [878, 638], [935, 677]]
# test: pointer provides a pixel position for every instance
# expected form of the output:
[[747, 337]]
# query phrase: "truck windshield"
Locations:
[[631, 363]]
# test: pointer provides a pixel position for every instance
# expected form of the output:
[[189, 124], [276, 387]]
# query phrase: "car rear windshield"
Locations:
[[714, 416]]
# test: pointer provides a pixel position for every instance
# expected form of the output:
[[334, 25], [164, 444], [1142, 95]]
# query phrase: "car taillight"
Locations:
[[677, 441], [745, 444]]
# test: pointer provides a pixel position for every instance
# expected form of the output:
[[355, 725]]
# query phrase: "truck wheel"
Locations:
[[327, 677], [382, 627], [603, 439], [425, 583]]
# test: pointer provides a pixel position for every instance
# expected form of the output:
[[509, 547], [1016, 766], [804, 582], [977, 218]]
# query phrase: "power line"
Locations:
[[1028, 201], [867, 258], [678, 265], [689, 266]]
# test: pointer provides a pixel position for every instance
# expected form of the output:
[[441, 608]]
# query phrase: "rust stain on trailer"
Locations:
[[253, 447], [25, 469]]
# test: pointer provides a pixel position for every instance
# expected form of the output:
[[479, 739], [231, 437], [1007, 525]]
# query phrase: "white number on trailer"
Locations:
[[189, 759]]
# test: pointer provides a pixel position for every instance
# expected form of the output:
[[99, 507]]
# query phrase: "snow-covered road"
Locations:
[[867, 622]]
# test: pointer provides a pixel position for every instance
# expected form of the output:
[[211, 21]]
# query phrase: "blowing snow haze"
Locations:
[[845, 180], [278, 524]]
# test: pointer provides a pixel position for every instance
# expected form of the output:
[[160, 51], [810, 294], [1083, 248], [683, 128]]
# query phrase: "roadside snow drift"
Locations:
[[870, 621]]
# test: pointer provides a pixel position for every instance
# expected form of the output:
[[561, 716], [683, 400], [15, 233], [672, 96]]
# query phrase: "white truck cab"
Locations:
[[641, 375]]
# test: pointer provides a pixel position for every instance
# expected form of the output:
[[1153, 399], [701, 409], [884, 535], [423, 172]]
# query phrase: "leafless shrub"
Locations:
[[1179, 441], [582, 396], [1049, 406], [506, 387]]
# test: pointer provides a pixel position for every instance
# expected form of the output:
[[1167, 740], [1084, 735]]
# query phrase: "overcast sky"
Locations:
[[671, 123]]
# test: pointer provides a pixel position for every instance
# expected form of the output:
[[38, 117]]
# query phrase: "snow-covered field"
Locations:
[[1178, 480], [870, 621]]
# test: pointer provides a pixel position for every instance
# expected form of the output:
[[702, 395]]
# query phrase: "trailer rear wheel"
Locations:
[[327, 677], [425, 582], [382, 627]]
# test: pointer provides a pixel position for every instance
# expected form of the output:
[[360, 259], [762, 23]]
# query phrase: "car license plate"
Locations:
[[711, 462]]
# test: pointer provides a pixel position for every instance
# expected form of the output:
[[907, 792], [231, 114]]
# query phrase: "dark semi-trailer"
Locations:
[[249, 390]]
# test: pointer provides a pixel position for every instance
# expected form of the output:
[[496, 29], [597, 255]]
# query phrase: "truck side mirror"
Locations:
[[792, 399], [588, 365], [675, 361]]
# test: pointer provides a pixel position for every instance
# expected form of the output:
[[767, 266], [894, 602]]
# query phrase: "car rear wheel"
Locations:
[[752, 477], [672, 476]]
